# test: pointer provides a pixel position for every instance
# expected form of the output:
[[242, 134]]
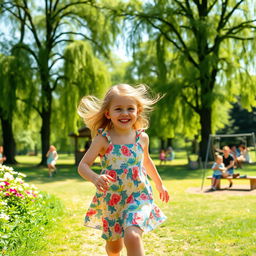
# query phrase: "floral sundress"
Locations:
[[128, 201]]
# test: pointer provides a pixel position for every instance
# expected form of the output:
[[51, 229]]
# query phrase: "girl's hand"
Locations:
[[102, 182], [163, 193]]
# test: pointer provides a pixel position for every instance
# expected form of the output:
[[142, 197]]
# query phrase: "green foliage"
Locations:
[[16, 80], [85, 75], [198, 224], [24, 211], [201, 52]]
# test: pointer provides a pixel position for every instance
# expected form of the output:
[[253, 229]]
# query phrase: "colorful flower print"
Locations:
[[125, 151], [129, 200]]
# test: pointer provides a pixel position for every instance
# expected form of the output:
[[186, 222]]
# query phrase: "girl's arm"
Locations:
[[98, 145], [55, 155], [152, 171]]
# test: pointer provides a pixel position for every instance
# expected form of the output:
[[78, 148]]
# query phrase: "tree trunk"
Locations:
[[169, 142], [8, 141], [45, 134], [162, 143], [206, 124]]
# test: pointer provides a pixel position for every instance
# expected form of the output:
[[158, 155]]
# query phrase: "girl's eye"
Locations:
[[118, 109], [130, 109]]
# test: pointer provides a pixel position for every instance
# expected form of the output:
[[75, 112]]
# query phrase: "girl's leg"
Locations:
[[113, 248], [50, 170], [133, 241]]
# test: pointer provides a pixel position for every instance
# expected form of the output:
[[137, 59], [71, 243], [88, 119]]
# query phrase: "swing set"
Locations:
[[248, 139]]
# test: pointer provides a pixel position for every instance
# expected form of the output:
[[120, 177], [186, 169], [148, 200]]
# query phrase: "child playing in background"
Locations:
[[218, 169], [52, 157], [162, 157], [123, 206]]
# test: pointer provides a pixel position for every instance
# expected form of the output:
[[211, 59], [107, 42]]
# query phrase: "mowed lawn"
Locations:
[[198, 224]]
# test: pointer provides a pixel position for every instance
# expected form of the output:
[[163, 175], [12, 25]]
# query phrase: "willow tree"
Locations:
[[153, 65], [214, 42], [50, 26], [15, 80], [85, 75]]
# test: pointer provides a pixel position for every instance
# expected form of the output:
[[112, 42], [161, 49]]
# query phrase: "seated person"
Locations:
[[243, 155], [170, 154], [218, 169], [229, 162], [235, 153]]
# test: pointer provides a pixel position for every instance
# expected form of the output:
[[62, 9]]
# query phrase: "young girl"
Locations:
[[52, 157], [123, 206]]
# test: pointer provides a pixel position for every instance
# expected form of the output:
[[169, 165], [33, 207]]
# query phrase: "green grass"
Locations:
[[198, 224]]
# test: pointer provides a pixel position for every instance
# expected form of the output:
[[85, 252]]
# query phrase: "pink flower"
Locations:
[[118, 228], [6, 183], [135, 172], [105, 225], [125, 151], [130, 199], [112, 174], [125, 171], [157, 211], [109, 149], [6, 194], [13, 190], [143, 196], [115, 198], [19, 195], [137, 218], [91, 212]]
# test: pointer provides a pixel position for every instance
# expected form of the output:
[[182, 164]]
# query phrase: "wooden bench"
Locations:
[[252, 180]]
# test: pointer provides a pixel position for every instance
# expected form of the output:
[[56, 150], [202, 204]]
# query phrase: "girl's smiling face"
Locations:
[[123, 112]]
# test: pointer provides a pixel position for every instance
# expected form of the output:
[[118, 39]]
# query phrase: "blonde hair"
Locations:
[[53, 148], [217, 156], [92, 109]]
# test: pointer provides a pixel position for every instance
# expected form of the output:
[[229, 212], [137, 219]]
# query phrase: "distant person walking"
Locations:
[[52, 157]]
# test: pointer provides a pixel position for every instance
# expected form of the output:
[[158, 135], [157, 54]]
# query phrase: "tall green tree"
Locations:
[[214, 42], [50, 26], [15, 79]]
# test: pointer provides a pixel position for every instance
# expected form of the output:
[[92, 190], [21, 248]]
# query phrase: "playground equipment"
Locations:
[[246, 138]]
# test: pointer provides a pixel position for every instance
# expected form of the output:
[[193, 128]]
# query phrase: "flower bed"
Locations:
[[24, 211]]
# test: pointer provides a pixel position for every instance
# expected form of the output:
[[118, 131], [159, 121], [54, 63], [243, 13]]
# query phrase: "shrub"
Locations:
[[24, 211]]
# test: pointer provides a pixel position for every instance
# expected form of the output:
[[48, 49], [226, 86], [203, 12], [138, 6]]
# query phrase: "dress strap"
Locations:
[[138, 133], [105, 134]]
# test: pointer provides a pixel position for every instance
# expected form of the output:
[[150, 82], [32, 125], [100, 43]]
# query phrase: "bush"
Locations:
[[24, 213]]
